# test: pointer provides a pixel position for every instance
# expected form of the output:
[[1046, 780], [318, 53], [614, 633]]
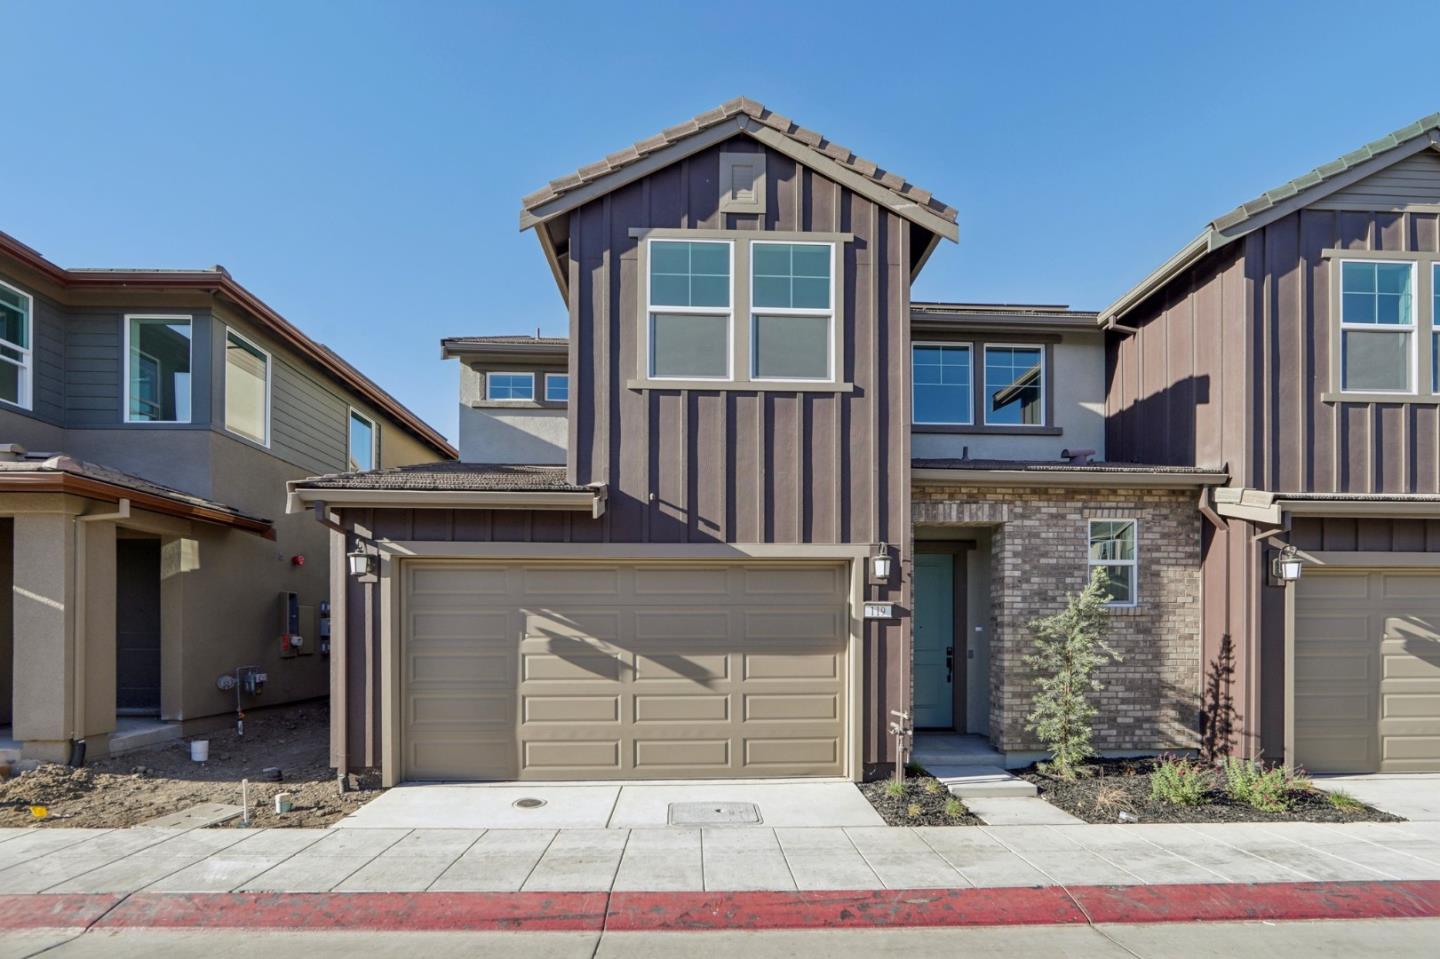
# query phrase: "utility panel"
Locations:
[[292, 639]]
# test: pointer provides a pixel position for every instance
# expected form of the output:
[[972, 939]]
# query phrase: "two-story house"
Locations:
[[795, 511], [150, 420]]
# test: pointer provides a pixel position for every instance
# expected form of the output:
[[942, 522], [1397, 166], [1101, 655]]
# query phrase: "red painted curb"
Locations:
[[371, 911], [53, 912], [698, 911]]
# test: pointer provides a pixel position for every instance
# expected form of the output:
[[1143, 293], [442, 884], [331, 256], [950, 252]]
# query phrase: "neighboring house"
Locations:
[[724, 577], [150, 420], [798, 510], [514, 395]]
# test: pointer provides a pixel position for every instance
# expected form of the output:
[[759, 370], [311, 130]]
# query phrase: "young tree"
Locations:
[[1069, 647]]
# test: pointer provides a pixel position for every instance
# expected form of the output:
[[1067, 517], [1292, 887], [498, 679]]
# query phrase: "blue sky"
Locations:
[[359, 165]]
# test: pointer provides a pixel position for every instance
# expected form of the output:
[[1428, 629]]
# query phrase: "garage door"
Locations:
[[623, 671], [1367, 672]]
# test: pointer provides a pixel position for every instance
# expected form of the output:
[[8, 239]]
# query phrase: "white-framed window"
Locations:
[[247, 389], [942, 384], [792, 311], [509, 387], [689, 311], [17, 322], [1115, 548], [1435, 327], [363, 445], [158, 354], [1377, 326], [1014, 385], [557, 387]]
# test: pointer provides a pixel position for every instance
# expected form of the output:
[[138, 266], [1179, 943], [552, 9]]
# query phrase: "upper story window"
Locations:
[[157, 368], [17, 313], [741, 310], [1014, 385], [510, 386], [1377, 326], [690, 317], [247, 389], [944, 384], [362, 442], [1434, 332], [1114, 548], [791, 301], [557, 387]]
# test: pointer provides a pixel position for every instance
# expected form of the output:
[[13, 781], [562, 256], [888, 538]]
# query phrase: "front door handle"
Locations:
[[949, 664]]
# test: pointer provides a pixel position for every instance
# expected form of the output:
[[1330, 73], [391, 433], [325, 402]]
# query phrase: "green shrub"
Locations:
[[954, 808], [913, 810], [894, 788], [1343, 801], [1268, 790], [1180, 782]]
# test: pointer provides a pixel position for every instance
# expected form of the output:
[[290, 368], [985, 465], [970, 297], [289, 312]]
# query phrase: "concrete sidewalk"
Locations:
[[709, 859]]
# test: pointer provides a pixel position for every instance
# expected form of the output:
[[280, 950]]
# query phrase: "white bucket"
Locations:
[[200, 750]]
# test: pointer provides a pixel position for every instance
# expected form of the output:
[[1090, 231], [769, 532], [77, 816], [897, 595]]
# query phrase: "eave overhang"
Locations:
[[57, 482], [591, 500], [1076, 478], [1276, 509]]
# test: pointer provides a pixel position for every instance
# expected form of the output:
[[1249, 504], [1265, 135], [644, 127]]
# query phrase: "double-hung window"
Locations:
[[944, 384], [509, 387], [690, 317], [1114, 549], [247, 389], [1377, 326], [792, 311], [157, 368], [17, 314], [362, 442], [1014, 385]]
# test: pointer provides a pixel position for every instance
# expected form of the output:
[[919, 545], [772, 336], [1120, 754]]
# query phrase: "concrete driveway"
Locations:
[[774, 803], [1416, 796]]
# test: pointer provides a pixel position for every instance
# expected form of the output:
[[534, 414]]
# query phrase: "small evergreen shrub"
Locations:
[[894, 789], [1248, 781], [1180, 782], [954, 808]]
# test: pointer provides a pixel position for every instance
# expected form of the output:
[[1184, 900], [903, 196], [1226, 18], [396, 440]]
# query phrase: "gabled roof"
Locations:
[[1423, 134], [217, 280], [740, 115]]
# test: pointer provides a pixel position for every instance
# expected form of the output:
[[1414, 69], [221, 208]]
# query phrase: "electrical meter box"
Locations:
[[292, 639]]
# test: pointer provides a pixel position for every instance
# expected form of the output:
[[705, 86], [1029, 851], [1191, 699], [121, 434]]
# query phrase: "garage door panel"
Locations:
[[433, 583], [1332, 667], [1322, 707], [629, 671], [1419, 586]]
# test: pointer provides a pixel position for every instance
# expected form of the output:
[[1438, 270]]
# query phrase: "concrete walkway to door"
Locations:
[[769, 803]]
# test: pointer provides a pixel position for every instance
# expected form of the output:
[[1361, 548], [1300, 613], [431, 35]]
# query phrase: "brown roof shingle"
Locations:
[[450, 476]]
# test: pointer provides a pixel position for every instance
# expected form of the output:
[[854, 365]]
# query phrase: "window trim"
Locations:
[[968, 345], [125, 369], [739, 333], [1413, 327], [548, 378], [1425, 325], [374, 438], [755, 312], [529, 374], [269, 377], [25, 395], [1133, 564], [726, 311], [984, 379]]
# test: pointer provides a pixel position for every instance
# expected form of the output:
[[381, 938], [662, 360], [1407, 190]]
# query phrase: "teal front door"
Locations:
[[934, 641]]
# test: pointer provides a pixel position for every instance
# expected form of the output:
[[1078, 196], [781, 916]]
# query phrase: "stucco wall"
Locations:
[[1038, 557], [529, 436]]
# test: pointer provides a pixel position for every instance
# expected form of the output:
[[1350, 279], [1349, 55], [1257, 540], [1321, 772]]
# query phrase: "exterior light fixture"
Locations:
[[880, 564], [1286, 566], [361, 563]]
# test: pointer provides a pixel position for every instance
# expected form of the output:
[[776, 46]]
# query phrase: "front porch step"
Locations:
[[974, 782], [1021, 811]]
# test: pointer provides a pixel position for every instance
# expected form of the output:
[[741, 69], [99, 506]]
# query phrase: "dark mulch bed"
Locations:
[[922, 805], [1116, 786]]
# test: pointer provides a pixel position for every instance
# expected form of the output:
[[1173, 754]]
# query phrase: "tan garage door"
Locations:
[[623, 671], [1367, 672]]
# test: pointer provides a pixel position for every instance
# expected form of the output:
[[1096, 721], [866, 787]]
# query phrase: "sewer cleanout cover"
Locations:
[[714, 813]]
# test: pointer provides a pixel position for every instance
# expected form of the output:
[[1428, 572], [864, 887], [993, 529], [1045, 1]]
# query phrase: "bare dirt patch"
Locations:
[[923, 803], [130, 789], [1110, 788]]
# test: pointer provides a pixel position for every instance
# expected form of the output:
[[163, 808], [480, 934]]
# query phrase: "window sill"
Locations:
[[516, 405], [1413, 399], [747, 386], [992, 430]]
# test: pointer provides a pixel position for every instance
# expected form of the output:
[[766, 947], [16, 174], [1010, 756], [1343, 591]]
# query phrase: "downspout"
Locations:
[[77, 715]]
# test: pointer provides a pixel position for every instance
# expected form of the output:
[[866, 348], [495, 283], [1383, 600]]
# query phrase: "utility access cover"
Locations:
[[714, 814]]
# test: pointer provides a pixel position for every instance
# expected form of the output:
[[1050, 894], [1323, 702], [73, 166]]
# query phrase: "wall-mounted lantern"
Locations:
[[361, 563], [880, 564], [1286, 566]]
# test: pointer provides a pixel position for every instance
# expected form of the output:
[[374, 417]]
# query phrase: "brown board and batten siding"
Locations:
[[749, 466]]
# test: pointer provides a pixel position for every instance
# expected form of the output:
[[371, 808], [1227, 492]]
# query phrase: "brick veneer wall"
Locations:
[[1039, 548]]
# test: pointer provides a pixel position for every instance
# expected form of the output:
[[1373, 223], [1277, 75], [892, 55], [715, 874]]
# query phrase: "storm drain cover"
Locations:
[[528, 803], [713, 813]]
